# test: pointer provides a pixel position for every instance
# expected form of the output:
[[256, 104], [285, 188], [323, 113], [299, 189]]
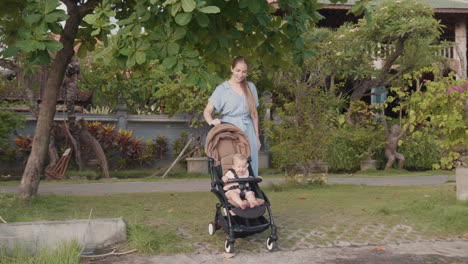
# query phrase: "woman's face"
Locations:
[[239, 72]]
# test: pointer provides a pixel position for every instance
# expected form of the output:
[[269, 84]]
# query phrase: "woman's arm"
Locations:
[[255, 123], [207, 115]]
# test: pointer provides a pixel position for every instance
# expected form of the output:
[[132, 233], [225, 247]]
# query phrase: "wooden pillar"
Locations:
[[461, 46]]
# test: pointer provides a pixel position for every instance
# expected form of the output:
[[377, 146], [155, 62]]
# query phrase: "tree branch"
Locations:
[[88, 7], [394, 76], [399, 49]]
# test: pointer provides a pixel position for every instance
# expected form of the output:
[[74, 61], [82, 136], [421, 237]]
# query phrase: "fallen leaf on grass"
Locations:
[[173, 194], [228, 255], [427, 196], [396, 195], [302, 197], [465, 235], [379, 249], [377, 197]]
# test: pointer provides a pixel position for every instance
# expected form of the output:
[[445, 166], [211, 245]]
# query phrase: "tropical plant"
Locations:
[[10, 122], [302, 129]]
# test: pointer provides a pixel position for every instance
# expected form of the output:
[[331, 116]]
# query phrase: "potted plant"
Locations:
[[192, 150]]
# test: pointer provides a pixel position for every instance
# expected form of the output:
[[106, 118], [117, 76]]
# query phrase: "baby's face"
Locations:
[[240, 167]]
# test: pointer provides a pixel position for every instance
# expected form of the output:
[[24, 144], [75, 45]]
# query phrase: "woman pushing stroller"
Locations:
[[237, 101]]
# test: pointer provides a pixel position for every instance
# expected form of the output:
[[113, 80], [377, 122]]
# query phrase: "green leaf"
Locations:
[[51, 5], [169, 2], [210, 9], [32, 19], [254, 6], [175, 8], [190, 53], [244, 3], [193, 62], [27, 46], [96, 32], [169, 62], [125, 51], [202, 19], [140, 57], [130, 61], [179, 33], [57, 15], [192, 79], [183, 18], [188, 5], [90, 19], [10, 51], [82, 52], [53, 45], [56, 28], [173, 48]]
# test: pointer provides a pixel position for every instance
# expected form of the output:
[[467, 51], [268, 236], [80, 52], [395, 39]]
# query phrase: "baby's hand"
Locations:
[[225, 179]]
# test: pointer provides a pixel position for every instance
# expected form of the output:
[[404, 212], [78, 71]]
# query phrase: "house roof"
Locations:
[[439, 6]]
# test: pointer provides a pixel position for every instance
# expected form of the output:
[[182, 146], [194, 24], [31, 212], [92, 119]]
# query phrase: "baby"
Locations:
[[233, 192]]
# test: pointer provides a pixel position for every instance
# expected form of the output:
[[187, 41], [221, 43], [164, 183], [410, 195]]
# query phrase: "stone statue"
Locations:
[[395, 134]]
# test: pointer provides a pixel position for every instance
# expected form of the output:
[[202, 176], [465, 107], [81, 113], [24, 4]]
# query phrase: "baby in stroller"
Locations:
[[224, 143], [239, 195]]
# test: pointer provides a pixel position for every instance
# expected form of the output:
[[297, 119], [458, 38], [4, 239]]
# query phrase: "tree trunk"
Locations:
[[35, 164]]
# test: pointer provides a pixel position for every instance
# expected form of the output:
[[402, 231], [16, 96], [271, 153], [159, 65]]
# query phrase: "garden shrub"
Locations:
[[341, 155], [350, 145], [420, 153]]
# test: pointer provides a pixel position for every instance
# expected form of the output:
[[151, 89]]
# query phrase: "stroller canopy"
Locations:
[[225, 140]]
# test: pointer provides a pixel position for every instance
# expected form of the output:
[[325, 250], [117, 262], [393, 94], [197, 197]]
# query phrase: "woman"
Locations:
[[237, 100]]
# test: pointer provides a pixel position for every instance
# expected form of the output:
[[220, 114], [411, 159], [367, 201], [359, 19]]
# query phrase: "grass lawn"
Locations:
[[177, 222]]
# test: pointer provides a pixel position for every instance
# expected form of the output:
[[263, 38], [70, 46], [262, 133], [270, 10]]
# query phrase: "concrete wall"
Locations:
[[149, 126], [90, 234]]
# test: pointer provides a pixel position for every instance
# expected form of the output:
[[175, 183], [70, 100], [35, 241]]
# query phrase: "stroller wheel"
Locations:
[[211, 228], [271, 244], [228, 246]]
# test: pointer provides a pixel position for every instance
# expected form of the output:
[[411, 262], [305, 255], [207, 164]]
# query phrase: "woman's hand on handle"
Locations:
[[215, 122]]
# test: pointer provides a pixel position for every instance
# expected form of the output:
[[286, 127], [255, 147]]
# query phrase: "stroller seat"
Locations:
[[222, 143]]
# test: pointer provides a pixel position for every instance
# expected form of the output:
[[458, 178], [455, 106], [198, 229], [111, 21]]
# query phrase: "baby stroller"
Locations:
[[222, 143]]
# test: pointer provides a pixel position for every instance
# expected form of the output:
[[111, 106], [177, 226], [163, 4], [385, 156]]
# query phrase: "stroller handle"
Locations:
[[245, 180], [241, 180]]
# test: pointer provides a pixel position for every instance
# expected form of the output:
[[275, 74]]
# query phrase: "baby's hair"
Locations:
[[239, 157]]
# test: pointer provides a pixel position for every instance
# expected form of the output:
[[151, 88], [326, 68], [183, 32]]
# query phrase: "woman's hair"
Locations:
[[251, 107]]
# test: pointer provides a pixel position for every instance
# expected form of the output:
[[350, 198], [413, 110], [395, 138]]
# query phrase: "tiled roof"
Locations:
[[439, 4]]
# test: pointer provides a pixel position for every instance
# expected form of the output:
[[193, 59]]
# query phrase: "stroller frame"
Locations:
[[240, 226]]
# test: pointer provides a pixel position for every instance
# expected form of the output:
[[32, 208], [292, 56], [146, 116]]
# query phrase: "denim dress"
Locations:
[[233, 108]]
